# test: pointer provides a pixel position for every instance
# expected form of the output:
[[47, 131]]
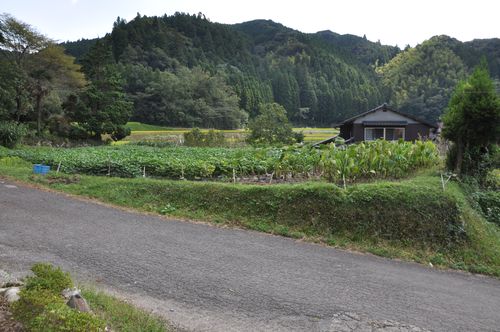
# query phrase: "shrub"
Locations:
[[13, 162], [77, 132], [120, 133], [33, 302], [59, 317], [298, 137], [493, 179], [48, 278], [196, 138], [271, 126], [11, 133], [489, 202], [42, 308]]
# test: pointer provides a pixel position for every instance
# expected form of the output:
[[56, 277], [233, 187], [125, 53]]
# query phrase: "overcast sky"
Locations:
[[392, 22]]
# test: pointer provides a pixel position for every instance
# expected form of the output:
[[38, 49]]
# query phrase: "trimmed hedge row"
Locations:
[[413, 212]]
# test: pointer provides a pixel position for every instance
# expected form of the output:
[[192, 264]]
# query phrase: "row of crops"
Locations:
[[379, 159]]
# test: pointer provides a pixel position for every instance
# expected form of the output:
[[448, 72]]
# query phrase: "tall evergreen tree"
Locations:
[[472, 120], [102, 108]]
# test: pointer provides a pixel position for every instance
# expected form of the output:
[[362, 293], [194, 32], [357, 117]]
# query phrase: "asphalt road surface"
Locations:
[[208, 278]]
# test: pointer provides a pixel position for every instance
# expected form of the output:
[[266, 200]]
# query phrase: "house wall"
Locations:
[[416, 131], [382, 115], [412, 131], [346, 131], [358, 132]]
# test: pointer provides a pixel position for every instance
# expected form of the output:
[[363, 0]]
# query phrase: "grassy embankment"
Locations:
[[141, 131], [412, 219]]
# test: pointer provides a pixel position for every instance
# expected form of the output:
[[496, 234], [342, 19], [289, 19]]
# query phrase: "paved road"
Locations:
[[207, 278]]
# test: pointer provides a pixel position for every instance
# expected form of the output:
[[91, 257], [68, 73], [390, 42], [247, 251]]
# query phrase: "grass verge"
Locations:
[[42, 307], [122, 316], [412, 219]]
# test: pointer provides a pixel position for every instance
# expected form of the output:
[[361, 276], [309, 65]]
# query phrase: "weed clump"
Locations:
[[41, 306]]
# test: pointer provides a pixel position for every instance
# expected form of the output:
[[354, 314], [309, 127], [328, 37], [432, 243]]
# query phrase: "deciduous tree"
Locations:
[[271, 126]]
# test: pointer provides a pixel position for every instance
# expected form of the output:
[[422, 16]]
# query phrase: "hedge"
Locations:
[[413, 212]]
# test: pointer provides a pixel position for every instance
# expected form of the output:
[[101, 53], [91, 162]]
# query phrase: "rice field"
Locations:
[[141, 131]]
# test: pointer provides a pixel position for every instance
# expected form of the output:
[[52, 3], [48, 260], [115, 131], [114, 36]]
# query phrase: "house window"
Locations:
[[390, 134]]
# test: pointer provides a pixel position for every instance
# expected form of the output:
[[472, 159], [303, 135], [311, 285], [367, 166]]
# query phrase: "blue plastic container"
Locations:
[[41, 169]]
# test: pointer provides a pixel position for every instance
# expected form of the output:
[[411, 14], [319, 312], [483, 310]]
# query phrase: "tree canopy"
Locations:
[[472, 120], [271, 126]]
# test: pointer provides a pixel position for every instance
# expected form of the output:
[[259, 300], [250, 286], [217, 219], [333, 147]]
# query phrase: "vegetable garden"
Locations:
[[378, 159]]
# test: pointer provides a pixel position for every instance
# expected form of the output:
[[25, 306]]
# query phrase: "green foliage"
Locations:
[[48, 70], [420, 80], [32, 303], [58, 317], [11, 133], [154, 143], [472, 122], [13, 161], [122, 316], [185, 98], [35, 74], [489, 202], [380, 159], [48, 277], [492, 180], [102, 108], [410, 213], [271, 126], [315, 79], [196, 138], [8, 77], [42, 308], [120, 133]]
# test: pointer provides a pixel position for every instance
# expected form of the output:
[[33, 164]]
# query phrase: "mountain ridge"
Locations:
[[320, 78]]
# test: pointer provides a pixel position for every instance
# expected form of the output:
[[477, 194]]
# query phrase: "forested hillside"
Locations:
[[420, 80], [186, 71], [183, 70]]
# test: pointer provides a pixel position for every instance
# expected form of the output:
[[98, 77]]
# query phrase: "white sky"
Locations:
[[390, 21]]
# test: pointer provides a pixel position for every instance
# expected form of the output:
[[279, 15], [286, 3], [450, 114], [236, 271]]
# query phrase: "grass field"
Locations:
[[141, 131]]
